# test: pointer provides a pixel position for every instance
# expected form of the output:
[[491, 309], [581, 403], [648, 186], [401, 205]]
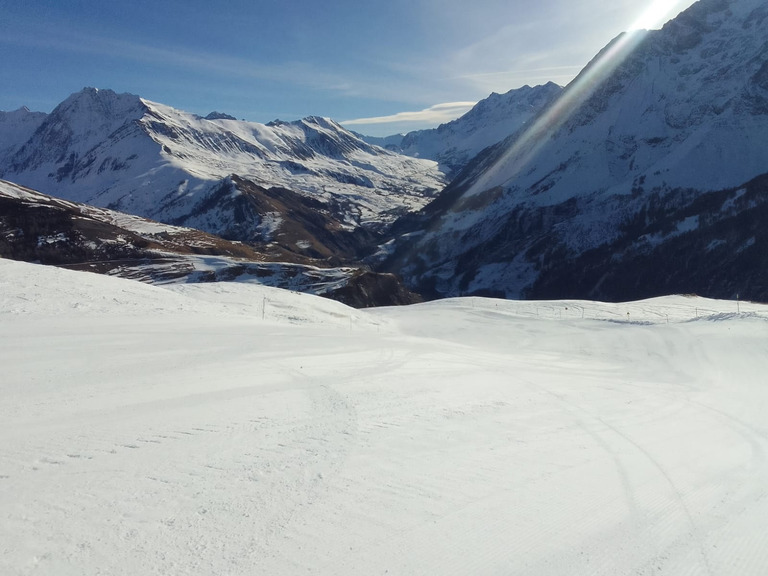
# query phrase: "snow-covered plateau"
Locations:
[[238, 429]]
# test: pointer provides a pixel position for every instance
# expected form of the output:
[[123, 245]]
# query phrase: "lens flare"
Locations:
[[528, 145], [530, 142]]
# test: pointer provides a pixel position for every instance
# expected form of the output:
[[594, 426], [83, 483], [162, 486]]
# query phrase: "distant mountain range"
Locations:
[[647, 175], [122, 152], [490, 121]]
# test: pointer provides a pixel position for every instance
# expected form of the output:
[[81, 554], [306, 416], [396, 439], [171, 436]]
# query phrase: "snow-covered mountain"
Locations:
[[38, 228], [127, 153], [660, 138], [490, 121]]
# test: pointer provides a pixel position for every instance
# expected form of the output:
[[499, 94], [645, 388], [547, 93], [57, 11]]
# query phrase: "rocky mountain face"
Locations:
[[490, 121], [35, 227], [122, 152], [680, 242], [643, 177]]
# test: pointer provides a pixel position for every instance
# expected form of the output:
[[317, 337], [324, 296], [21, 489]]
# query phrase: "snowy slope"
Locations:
[[145, 158], [231, 429], [490, 121], [655, 121]]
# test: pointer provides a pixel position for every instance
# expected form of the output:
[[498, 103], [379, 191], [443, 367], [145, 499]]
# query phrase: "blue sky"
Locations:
[[383, 65]]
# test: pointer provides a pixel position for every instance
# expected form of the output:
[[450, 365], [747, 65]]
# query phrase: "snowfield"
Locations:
[[237, 429]]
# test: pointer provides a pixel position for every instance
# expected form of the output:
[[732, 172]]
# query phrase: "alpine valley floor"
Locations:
[[236, 429]]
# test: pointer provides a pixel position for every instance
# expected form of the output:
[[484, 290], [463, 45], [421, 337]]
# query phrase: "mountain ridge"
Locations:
[[493, 119], [124, 152]]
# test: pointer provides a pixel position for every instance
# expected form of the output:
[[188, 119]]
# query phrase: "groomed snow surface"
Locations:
[[236, 430]]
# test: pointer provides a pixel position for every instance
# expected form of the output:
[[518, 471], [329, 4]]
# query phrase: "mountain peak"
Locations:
[[21, 113], [104, 94], [490, 121], [90, 102], [219, 116], [80, 122], [321, 121]]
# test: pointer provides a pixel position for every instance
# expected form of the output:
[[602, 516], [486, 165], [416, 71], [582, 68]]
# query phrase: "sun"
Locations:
[[656, 14]]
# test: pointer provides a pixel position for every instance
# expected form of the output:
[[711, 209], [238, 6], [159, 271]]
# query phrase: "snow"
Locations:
[[270, 224], [237, 429], [688, 224]]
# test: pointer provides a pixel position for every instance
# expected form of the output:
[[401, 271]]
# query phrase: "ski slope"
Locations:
[[237, 429]]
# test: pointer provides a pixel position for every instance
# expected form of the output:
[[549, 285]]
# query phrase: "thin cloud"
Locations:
[[436, 114], [288, 72]]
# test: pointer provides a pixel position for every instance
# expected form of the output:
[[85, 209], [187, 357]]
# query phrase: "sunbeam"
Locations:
[[528, 145], [656, 14]]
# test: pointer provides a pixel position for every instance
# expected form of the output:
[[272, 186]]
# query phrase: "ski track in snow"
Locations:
[[172, 430]]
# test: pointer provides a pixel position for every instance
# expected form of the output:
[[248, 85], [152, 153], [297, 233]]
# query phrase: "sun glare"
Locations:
[[656, 15], [528, 145]]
